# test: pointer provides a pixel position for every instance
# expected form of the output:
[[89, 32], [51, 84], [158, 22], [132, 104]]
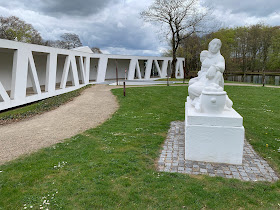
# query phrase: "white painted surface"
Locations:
[[51, 71], [209, 80], [213, 138], [214, 131]]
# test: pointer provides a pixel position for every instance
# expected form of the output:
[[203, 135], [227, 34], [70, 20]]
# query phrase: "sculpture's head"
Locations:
[[215, 46], [203, 55]]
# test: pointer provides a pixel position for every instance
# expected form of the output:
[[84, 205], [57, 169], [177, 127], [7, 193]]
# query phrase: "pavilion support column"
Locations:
[[19, 74]]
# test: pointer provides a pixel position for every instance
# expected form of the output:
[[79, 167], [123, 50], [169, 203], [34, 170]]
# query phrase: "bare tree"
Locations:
[[70, 41], [56, 44], [242, 39], [13, 28], [182, 17], [266, 43]]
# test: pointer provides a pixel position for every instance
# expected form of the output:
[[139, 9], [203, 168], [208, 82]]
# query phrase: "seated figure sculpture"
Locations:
[[201, 75], [212, 68]]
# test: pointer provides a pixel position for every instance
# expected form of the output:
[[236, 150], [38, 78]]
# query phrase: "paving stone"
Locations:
[[172, 159], [243, 174], [235, 173], [245, 178], [202, 170], [211, 171], [233, 169], [227, 172], [174, 164], [167, 169], [160, 163], [236, 176], [219, 171], [221, 174]]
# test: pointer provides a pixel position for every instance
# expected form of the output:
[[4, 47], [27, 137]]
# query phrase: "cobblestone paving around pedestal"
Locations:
[[172, 159]]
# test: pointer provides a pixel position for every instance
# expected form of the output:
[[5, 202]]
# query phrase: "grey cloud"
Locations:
[[119, 31], [61, 7], [75, 7], [132, 38], [258, 8]]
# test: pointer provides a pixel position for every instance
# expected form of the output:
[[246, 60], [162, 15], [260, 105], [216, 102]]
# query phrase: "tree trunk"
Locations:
[[173, 66], [263, 77], [174, 59]]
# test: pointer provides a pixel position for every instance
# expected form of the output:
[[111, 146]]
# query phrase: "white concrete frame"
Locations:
[[25, 66]]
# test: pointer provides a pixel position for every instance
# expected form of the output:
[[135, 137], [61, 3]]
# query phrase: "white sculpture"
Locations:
[[210, 81], [211, 133]]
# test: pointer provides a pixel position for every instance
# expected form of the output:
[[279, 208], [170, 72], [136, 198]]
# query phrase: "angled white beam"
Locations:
[[33, 74], [179, 69], [65, 73], [82, 69], [164, 68], [51, 72], [74, 71], [138, 71], [131, 70], [70, 64], [134, 65], [3, 93], [158, 68], [101, 71], [148, 68]]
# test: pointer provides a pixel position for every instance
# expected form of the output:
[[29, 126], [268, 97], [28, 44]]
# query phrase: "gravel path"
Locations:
[[93, 107]]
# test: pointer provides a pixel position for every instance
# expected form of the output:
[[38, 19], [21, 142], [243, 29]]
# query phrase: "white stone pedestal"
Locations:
[[213, 138]]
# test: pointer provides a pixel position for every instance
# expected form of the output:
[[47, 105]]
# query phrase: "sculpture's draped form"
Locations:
[[210, 81]]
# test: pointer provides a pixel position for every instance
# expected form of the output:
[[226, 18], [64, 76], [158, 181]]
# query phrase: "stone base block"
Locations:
[[214, 138]]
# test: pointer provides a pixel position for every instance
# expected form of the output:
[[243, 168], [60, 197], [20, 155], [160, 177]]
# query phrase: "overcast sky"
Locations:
[[115, 25]]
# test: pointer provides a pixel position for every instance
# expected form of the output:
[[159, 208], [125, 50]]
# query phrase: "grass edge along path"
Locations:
[[39, 107], [112, 166]]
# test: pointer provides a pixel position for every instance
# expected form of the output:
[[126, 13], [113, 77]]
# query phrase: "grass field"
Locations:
[[113, 166], [173, 79]]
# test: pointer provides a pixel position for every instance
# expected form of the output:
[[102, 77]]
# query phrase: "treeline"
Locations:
[[246, 49], [13, 28]]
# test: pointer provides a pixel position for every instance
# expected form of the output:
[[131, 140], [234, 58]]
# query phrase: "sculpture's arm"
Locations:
[[220, 65]]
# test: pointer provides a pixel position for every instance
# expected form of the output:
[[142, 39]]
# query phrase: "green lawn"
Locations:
[[113, 166], [173, 79]]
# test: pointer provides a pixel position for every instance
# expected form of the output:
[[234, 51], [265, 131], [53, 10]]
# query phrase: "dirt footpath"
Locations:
[[93, 107]]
